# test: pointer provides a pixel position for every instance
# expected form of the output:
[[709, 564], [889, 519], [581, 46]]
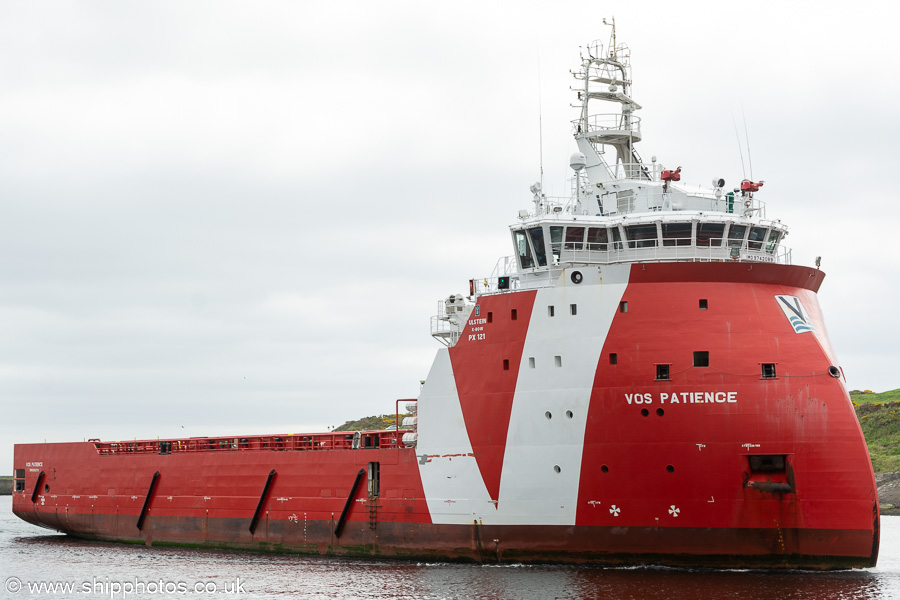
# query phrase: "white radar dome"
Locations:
[[577, 161]]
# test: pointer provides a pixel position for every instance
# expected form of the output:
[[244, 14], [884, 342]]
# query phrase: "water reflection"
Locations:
[[33, 555]]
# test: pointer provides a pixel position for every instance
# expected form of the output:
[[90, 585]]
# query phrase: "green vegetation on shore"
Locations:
[[371, 423], [879, 417], [5, 485]]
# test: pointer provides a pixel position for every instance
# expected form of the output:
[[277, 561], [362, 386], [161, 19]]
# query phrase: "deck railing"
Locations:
[[337, 440]]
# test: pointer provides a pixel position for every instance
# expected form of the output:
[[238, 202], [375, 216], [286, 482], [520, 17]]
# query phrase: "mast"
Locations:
[[602, 73]]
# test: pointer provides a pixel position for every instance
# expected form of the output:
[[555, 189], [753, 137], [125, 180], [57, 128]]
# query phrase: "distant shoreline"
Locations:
[[5, 485]]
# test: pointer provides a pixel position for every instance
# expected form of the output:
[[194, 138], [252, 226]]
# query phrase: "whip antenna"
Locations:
[[743, 170], [747, 141], [540, 115]]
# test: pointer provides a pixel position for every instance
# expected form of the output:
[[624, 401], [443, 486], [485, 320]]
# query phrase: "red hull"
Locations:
[[659, 481]]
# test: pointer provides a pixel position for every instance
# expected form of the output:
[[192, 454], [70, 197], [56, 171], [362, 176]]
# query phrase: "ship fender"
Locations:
[[146, 507], [262, 501], [339, 528], [37, 487]]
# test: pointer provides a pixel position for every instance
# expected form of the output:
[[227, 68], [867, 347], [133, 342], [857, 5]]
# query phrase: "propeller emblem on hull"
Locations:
[[615, 510], [674, 511]]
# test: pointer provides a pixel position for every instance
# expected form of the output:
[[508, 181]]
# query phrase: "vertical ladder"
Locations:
[[373, 513]]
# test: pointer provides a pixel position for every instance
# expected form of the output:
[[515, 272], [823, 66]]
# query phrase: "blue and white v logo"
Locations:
[[796, 316]]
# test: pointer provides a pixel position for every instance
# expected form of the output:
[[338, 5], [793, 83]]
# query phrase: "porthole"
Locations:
[[604, 468], [46, 488], [670, 468], [556, 468], [577, 277], [569, 414], [660, 412], [548, 415], [645, 412]]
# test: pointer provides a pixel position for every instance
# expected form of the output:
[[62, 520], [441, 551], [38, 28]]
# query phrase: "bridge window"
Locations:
[[757, 235], [525, 259], [710, 234], [701, 358], [677, 234], [597, 239], [556, 233], [736, 235], [641, 236], [537, 240], [772, 242], [574, 238], [617, 238]]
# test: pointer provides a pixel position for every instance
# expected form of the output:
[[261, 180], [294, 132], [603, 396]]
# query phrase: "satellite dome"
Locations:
[[577, 161]]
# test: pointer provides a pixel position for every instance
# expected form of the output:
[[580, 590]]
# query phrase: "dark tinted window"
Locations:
[[597, 239], [710, 234], [556, 233], [772, 242], [524, 251], [676, 234], [757, 235], [736, 235], [574, 238], [641, 236], [537, 240]]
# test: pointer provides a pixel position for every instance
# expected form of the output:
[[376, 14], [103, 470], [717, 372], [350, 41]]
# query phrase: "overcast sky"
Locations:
[[238, 217]]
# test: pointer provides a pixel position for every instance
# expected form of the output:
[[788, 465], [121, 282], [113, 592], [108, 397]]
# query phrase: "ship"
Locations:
[[646, 380]]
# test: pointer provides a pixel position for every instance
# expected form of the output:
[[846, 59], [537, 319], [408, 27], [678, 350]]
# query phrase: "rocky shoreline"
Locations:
[[888, 492]]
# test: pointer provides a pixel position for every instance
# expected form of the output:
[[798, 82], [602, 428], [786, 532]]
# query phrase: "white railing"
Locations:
[[506, 267], [673, 249], [610, 122], [442, 328], [617, 252]]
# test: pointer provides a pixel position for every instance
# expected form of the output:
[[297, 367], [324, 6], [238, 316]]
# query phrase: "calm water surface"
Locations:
[[30, 556]]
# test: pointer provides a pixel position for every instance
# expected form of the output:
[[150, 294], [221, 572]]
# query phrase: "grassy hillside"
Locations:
[[870, 397], [879, 416], [370, 423]]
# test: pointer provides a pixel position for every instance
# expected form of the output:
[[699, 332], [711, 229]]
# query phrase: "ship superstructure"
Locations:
[[647, 380]]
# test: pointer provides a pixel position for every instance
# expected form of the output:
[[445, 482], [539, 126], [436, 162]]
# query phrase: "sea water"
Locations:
[[37, 563]]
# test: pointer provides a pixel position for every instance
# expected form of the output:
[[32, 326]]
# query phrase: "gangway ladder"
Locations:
[[373, 513], [374, 472]]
